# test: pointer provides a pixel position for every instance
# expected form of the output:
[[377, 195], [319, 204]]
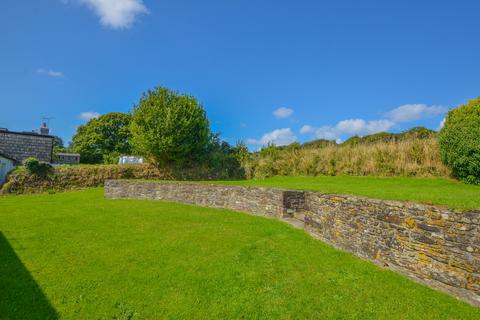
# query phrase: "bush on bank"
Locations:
[[460, 142], [37, 168]]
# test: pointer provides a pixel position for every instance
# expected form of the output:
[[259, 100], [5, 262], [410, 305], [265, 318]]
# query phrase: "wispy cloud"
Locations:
[[89, 115], [115, 14], [50, 73], [412, 112], [279, 137], [282, 113]]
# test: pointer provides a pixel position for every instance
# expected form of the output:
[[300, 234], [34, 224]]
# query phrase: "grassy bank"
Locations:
[[76, 255], [407, 157], [438, 191]]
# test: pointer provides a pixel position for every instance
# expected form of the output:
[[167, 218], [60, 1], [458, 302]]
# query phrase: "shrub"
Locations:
[[460, 142], [34, 167], [170, 128], [225, 159]]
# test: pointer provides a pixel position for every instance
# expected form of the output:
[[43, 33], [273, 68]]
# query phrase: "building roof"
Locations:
[[25, 133]]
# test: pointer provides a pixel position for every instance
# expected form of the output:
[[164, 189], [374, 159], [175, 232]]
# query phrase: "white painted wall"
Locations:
[[6, 165]]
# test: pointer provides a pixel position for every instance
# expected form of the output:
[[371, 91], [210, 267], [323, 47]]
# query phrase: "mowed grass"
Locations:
[[78, 256], [439, 191]]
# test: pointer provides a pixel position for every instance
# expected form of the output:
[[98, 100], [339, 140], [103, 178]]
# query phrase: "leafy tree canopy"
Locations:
[[170, 128], [103, 139]]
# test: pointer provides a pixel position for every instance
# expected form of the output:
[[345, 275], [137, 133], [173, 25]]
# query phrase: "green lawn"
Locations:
[[76, 255], [425, 190]]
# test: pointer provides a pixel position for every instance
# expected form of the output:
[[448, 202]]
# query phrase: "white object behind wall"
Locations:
[[130, 160]]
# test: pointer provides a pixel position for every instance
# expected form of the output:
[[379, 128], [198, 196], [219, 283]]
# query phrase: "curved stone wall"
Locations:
[[434, 245]]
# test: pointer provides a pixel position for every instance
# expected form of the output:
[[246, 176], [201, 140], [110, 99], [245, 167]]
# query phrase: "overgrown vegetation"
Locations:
[[412, 153], [36, 168], [83, 176], [460, 142], [76, 255]]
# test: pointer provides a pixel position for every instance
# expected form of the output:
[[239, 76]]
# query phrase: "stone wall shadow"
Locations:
[[20, 295]]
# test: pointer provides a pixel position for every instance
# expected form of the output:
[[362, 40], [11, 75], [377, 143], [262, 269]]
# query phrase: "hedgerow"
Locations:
[[83, 176]]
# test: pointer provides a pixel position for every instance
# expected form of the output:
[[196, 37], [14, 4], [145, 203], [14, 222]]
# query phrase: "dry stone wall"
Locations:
[[262, 201], [434, 245]]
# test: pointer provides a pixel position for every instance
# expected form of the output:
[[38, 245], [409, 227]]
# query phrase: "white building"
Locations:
[[6, 165]]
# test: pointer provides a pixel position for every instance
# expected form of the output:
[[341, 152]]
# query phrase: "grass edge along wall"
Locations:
[[435, 245]]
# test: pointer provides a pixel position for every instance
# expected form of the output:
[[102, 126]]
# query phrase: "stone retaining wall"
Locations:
[[262, 201], [434, 245]]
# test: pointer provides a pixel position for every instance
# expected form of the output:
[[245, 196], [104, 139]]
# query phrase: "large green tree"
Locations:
[[103, 139], [170, 128]]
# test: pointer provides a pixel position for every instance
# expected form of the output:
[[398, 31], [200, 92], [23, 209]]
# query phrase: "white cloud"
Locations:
[[307, 129], [50, 73], [360, 127], [89, 115], [116, 14], [412, 112], [351, 127], [442, 123], [283, 113], [279, 137], [377, 126], [328, 133]]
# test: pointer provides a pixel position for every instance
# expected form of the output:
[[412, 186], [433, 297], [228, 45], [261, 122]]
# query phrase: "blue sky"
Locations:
[[265, 71]]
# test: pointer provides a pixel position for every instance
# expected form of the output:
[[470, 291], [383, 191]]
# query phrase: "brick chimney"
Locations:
[[44, 129]]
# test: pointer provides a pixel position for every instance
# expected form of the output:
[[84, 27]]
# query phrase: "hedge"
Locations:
[[75, 177]]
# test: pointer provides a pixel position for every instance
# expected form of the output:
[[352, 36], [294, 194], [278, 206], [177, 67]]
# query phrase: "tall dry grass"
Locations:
[[413, 157]]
